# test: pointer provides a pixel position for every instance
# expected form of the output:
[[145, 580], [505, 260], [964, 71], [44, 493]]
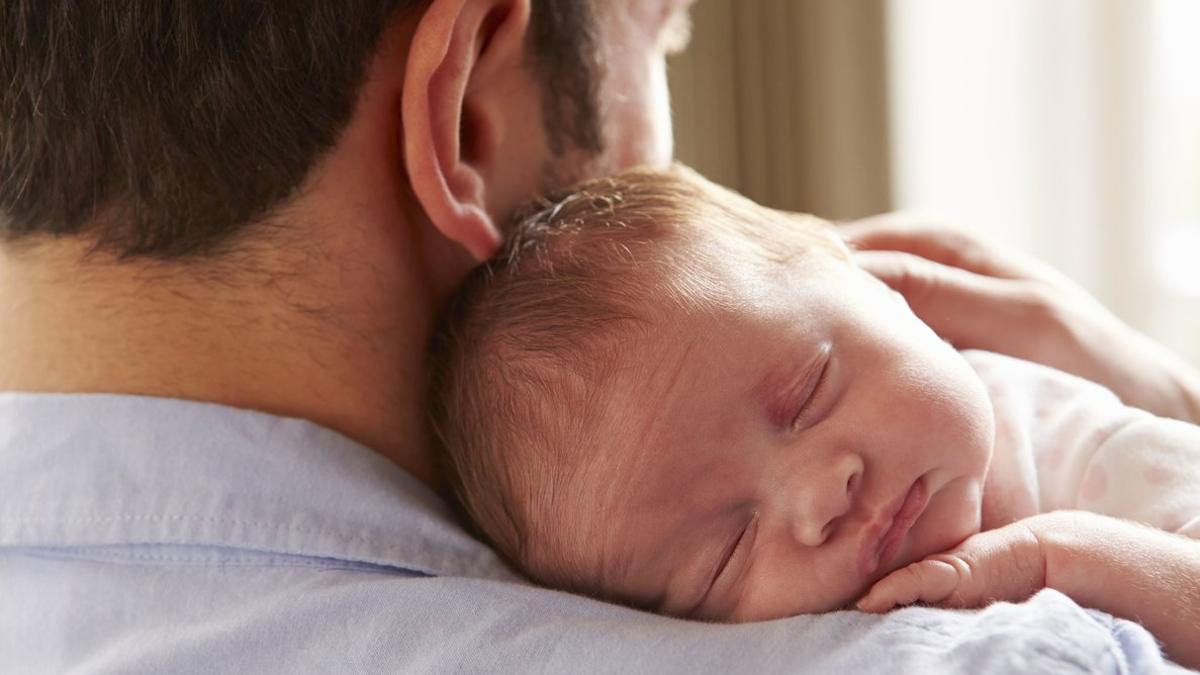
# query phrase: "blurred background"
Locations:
[[1068, 128]]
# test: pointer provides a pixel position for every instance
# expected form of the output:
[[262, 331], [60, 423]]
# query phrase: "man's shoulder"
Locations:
[[165, 536], [106, 472]]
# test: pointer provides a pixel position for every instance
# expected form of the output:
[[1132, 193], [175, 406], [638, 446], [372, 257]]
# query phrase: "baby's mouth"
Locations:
[[886, 535]]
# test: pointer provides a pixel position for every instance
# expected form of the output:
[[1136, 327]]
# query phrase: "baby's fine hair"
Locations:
[[519, 362]]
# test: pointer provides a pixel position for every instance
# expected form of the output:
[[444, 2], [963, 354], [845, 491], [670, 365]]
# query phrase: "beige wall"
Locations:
[[785, 101]]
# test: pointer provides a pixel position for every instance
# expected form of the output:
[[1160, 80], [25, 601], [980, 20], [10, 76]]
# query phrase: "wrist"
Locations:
[[1176, 389], [1118, 566], [1188, 386], [1082, 552]]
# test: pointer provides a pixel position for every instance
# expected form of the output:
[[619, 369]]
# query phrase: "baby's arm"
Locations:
[[1117, 566]]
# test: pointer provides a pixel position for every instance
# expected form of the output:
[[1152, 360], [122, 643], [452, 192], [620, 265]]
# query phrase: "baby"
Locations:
[[665, 395]]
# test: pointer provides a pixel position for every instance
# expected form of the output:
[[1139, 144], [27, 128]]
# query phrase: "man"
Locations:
[[229, 227]]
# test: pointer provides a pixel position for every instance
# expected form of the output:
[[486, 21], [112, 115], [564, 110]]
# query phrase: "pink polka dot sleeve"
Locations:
[[1090, 451]]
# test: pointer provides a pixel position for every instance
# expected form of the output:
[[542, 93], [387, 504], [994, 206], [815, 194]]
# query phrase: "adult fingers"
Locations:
[[945, 245], [972, 311]]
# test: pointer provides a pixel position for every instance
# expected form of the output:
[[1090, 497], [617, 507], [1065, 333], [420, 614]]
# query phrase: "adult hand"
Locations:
[[981, 295]]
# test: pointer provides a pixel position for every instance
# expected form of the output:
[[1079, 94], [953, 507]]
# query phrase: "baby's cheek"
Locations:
[[810, 588], [965, 414], [954, 513]]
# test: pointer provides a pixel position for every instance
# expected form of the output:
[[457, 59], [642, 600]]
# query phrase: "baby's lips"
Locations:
[[884, 538]]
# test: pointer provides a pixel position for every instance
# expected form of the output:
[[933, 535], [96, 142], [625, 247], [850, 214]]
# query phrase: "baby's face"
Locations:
[[777, 458]]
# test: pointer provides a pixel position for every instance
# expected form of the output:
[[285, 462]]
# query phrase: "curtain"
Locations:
[[1063, 128], [786, 101]]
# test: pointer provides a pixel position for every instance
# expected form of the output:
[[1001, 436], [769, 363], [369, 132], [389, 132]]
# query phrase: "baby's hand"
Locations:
[[1116, 566], [1007, 563]]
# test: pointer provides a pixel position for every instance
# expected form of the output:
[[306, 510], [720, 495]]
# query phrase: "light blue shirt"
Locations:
[[158, 535]]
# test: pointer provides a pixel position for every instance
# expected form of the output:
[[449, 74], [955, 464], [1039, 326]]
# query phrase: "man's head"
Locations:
[[171, 129], [663, 394], [263, 204]]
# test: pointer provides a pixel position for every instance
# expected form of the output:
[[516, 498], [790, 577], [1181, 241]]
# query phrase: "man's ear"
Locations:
[[448, 136]]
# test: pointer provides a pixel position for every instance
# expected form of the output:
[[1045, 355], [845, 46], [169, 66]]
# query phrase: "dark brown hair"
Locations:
[[165, 127], [520, 361]]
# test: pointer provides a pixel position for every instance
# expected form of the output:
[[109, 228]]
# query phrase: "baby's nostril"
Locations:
[[851, 483]]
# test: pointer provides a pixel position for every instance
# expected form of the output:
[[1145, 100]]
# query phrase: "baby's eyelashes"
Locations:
[[722, 598], [811, 392]]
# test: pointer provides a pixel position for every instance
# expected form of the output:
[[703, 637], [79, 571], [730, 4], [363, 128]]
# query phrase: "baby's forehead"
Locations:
[[748, 291], [667, 383], [645, 400]]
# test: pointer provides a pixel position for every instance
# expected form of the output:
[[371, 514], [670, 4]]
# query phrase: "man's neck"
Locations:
[[341, 345]]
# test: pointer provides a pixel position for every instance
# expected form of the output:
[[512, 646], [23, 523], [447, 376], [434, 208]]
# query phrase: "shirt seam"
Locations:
[[426, 566], [223, 520], [243, 562]]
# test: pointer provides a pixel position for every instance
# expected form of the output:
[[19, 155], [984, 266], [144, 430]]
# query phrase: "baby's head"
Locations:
[[665, 395]]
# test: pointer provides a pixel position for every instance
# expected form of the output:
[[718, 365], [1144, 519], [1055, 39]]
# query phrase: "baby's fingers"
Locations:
[[928, 581], [1007, 563]]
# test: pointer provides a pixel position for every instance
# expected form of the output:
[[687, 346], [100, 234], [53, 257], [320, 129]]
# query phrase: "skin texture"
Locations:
[[327, 316], [637, 123], [782, 433]]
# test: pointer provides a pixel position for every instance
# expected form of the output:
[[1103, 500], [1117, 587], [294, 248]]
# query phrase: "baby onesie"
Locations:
[[1067, 443]]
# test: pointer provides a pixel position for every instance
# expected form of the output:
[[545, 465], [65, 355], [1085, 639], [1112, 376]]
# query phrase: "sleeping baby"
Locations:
[[664, 395]]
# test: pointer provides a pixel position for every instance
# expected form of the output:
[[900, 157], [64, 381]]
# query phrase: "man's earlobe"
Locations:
[[449, 137]]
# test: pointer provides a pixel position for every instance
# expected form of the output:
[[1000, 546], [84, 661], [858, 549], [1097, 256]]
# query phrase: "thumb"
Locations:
[[970, 310]]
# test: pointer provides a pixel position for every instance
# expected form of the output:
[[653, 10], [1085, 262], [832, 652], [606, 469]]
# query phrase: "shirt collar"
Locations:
[[100, 469]]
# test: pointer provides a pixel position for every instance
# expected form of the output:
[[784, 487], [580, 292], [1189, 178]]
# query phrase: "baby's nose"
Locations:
[[828, 497]]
